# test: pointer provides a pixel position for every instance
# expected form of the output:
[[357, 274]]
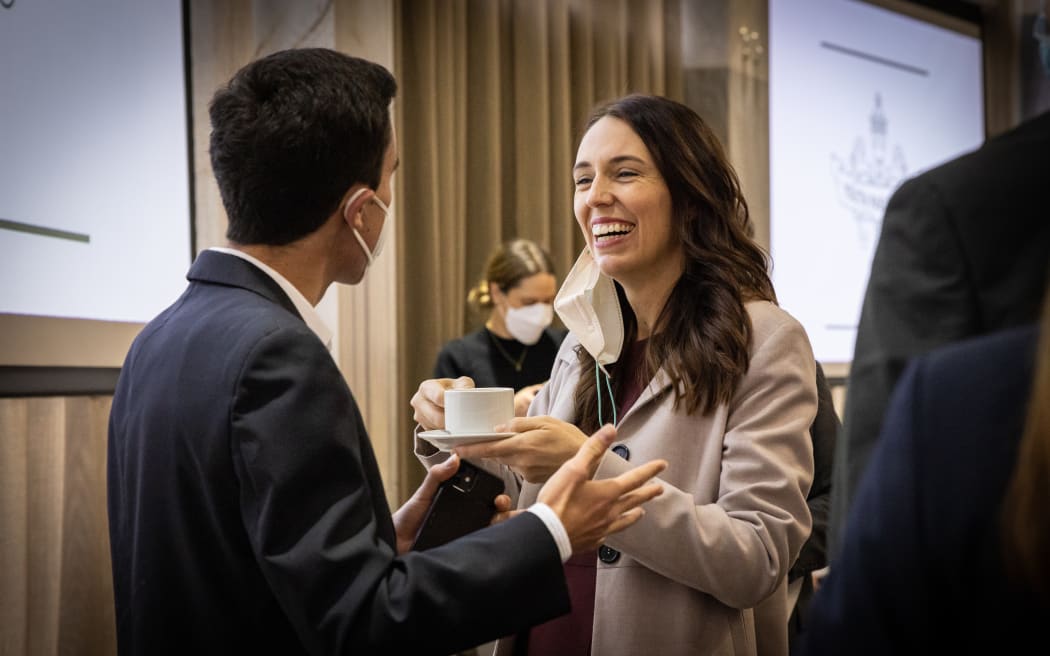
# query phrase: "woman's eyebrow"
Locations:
[[619, 159]]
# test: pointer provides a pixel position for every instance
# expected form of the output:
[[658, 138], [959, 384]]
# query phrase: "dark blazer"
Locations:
[[246, 510], [964, 251], [920, 571]]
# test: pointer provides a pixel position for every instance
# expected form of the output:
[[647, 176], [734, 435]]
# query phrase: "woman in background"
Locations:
[[516, 346]]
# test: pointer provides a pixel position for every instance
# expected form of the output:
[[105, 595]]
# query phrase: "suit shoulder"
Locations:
[[224, 319], [1023, 150]]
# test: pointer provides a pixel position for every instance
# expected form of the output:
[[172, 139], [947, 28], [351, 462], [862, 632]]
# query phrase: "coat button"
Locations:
[[622, 451], [608, 555]]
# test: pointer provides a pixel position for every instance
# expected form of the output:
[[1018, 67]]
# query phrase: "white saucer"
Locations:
[[446, 441]]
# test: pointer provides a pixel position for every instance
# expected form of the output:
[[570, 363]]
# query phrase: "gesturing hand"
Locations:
[[591, 510]]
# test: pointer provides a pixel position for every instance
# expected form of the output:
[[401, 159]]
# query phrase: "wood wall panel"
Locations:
[[56, 591]]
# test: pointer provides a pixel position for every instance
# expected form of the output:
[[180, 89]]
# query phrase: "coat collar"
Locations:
[[656, 387], [229, 270]]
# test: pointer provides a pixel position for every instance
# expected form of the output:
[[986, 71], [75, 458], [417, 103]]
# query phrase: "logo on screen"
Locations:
[[865, 179]]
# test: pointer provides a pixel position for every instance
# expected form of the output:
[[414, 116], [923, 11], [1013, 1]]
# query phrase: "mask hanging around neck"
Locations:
[[589, 307]]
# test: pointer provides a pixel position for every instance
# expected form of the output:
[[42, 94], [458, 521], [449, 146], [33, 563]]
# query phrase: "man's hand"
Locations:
[[593, 510], [523, 399], [429, 400], [409, 517], [504, 510], [541, 446]]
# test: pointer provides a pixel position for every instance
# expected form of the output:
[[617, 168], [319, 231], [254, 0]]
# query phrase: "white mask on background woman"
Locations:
[[527, 323]]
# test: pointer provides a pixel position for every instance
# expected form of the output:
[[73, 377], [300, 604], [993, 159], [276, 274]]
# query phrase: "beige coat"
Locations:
[[733, 514]]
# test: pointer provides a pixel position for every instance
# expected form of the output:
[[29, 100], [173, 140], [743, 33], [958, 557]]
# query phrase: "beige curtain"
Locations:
[[56, 590], [493, 95]]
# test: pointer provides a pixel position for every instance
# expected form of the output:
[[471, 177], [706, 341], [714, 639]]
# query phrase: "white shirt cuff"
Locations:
[[554, 525]]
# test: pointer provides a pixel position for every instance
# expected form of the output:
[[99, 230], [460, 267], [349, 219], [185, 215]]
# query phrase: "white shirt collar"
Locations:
[[306, 310]]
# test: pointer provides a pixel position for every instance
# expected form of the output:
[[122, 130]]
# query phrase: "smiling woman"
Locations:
[[675, 336]]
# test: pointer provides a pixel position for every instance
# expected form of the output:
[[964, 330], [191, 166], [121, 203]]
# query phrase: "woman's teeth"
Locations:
[[608, 230]]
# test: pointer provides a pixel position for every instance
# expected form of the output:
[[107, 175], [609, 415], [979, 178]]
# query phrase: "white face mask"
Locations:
[[588, 305], [371, 254], [527, 323]]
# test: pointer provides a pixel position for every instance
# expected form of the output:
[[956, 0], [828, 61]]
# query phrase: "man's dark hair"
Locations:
[[291, 133]]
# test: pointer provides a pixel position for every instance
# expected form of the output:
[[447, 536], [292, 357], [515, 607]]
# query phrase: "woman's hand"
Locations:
[[429, 400], [542, 444], [523, 399]]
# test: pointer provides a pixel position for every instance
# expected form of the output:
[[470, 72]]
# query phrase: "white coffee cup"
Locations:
[[478, 410]]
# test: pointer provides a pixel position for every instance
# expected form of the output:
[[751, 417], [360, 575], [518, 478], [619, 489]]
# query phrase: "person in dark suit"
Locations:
[[246, 509], [946, 546], [963, 251]]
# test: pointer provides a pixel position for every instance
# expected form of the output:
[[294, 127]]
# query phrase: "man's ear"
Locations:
[[355, 201]]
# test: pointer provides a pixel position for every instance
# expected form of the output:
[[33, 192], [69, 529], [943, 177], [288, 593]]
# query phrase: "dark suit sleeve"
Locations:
[[874, 600], [314, 513], [918, 297]]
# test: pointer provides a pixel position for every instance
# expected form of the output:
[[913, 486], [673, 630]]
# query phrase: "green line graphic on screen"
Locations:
[[43, 231]]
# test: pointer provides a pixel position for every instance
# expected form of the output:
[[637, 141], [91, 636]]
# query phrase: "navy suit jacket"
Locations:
[[920, 569], [246, 509]]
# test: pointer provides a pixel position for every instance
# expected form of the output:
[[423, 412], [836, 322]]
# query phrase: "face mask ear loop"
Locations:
[[608, 387]]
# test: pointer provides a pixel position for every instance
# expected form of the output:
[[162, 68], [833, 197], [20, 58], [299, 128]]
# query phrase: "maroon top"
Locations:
[[570, 635], [631, 368]]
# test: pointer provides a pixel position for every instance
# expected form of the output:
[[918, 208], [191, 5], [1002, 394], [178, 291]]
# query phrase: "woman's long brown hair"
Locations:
[[1025, 519], [702, 336]]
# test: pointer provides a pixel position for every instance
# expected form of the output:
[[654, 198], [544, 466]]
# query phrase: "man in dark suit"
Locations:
[[922, 568], [964, 251], [246, 510]]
